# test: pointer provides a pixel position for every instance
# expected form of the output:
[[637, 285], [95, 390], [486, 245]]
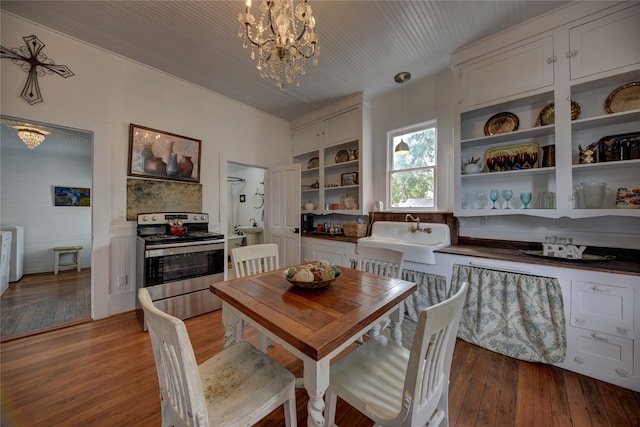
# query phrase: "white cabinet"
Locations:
[[307, 138], [332, 171], [336, 252], [601, 335], [578, 61], [515, 70], [605, 44]]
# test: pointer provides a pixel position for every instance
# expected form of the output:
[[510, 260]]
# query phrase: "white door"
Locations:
[[283, 204]]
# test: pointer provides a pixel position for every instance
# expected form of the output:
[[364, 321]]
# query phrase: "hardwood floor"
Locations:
[[102, 374], [45, 301]]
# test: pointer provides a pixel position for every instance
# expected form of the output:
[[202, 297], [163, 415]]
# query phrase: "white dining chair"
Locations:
[[237, 387], [254, 259], [385, 262], [397, 387]]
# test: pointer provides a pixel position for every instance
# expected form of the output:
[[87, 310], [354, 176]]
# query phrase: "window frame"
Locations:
[[407, 130]]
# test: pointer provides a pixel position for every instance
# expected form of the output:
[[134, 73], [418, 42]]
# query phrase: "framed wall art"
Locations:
[[162, 155], [350, 178], [71, 196]]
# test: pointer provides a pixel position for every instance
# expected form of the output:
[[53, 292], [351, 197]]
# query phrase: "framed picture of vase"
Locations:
[[162, 155]]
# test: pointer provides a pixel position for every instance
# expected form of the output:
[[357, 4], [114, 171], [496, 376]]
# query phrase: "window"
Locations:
[[412, 176]]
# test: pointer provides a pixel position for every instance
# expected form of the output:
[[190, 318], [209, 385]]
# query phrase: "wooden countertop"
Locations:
[[626, 261], [335, 237]]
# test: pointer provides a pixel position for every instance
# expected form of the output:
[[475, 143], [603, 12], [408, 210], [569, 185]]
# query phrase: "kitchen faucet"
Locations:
[[409, 217]]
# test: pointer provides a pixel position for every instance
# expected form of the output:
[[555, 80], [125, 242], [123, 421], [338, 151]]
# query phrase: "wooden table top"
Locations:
[[314, 321]]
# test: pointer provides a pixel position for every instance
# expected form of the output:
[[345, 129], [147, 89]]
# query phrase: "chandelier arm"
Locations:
[[253, 42], [304, 54]]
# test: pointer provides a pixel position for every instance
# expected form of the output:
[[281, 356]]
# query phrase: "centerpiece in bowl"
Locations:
[[312, 275]]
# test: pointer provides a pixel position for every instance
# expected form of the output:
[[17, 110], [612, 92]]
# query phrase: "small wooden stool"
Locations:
[[74, 250]]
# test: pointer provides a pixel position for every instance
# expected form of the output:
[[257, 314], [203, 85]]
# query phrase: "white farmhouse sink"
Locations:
[[418, 246], [250, 229]]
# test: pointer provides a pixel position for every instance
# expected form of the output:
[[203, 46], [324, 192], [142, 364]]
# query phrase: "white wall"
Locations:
[[105, 95], [424, 100], [27, 182]]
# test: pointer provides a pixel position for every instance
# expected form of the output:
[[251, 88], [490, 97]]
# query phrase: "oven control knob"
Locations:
[[203, 217], [154, 218], [145, 218]]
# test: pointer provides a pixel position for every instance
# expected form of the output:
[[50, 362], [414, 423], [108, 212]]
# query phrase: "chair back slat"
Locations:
[[253, 259], [382, 261]]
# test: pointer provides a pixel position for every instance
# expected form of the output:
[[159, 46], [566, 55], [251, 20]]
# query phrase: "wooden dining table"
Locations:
[[313, 324]]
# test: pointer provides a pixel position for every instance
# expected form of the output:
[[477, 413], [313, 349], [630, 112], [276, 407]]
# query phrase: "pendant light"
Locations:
[[402, 148]]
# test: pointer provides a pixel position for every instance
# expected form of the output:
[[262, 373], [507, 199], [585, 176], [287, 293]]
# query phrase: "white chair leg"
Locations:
[[290, 416], [263, 342], [331, 400]]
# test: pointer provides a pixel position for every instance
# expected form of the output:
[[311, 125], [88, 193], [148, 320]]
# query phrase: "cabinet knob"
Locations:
[[622, 330], [578, 360], [579, 321], [599, 288], [622, 372]]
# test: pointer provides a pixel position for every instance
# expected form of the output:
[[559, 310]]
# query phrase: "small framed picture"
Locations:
[[162, 155], [350, 178]]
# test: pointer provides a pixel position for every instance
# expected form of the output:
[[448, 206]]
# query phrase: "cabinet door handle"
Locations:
[[599, 337], [572, 53], [622, 330], [578, 360], [599, 288], [580, 321], [552, 59], [622, 372]]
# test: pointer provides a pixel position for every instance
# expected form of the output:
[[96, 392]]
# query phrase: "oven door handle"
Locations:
[[183, 244], [154, 252]]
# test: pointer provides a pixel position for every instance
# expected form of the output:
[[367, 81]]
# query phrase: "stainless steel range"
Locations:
[[177, 259]]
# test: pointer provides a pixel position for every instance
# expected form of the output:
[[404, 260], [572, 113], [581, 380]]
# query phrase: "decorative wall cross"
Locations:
[[33, 61]]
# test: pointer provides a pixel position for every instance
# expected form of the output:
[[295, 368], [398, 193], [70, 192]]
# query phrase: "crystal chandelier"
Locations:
[[31, 137], [284, 38]]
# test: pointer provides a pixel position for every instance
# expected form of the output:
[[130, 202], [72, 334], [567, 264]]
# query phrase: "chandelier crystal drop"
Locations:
[[31, 137], [284, 39]]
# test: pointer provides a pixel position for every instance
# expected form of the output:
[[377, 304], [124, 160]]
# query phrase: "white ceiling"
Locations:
[[363, 43]]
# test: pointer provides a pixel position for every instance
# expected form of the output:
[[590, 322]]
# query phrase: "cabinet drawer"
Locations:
[[604, 350], [603, 308]]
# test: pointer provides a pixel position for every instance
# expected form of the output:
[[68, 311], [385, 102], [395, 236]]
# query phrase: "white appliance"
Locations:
[[17, 251], [5, 258]]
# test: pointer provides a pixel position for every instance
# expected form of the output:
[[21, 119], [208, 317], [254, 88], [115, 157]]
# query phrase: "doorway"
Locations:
[[28, 178]]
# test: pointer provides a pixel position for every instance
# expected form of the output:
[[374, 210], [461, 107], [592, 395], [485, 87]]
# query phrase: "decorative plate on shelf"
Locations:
[[350, 201], [547, 115], [342, 156], [515, 149], [314, 162], [624, 98], [501, 123]]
